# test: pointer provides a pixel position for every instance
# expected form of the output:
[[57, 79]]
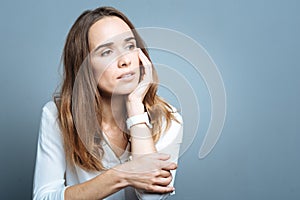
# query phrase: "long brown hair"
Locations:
[[76, 50]]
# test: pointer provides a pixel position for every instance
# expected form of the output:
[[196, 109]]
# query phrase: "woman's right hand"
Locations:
[[149, 172]]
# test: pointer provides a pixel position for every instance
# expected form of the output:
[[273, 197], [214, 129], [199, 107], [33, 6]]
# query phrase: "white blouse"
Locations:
[[53, 175]]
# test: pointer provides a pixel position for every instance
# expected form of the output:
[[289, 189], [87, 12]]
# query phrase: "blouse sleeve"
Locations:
[[168, 143], [49, 182]]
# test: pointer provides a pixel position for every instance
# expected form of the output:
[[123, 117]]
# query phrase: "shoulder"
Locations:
[[49, 126], [50, 108]]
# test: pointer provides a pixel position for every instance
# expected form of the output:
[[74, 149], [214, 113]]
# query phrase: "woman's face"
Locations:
[[114, 56]]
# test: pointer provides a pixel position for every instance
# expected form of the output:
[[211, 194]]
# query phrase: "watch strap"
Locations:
[[138, 119]]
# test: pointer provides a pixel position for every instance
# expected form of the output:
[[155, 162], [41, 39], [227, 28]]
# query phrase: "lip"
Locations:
[[127, 75]]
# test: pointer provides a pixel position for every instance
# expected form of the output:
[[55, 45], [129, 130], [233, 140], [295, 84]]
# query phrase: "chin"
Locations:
[[125, 89]]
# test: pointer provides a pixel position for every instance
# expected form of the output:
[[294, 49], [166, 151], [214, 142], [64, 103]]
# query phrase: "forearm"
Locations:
[[99, 187], [141, 140], [141, 136]]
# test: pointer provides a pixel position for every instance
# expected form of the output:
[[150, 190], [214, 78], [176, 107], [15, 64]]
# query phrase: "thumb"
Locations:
[[163, 156]]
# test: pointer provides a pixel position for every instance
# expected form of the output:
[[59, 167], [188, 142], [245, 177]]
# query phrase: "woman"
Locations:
[[103, 135]]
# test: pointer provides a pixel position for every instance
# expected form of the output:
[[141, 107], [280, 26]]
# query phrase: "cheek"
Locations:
[[105, 76], [100, 69], [137, 64], [105, 81], [135, 58]]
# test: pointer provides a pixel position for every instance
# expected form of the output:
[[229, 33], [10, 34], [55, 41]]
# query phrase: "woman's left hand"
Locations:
[[136, 97]]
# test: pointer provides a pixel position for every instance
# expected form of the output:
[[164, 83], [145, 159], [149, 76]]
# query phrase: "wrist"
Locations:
[[120, 176], [134, 108], [138, 120]]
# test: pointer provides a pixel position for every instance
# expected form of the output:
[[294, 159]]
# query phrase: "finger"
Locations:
[[163, 181], [160, 189], [161, 156], [165, 173], [143, 58], [169, 166], [147, 64]]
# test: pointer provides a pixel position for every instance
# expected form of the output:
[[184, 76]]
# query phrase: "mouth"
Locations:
[[127, 75]]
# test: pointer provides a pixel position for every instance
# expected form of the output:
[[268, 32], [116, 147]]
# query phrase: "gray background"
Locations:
[[255, 45]]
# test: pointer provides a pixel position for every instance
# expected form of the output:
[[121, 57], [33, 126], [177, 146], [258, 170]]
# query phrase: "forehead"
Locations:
[[108, 29]]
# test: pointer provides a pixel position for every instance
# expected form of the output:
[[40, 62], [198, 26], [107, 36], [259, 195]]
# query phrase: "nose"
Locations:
[[124, 61]]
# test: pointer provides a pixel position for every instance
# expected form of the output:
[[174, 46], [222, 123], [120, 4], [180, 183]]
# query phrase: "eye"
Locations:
[[130, 46], [106, 52]]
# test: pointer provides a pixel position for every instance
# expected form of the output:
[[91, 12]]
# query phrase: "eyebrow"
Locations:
[[111, 43]]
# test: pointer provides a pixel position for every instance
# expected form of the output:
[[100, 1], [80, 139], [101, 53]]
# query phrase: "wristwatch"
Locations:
[[138, 119]]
